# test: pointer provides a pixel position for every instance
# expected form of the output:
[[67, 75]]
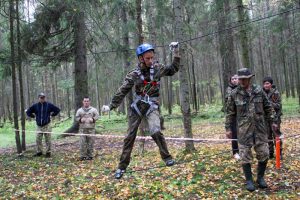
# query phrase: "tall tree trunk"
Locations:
[[20, 77], [194, 85], [139, 24], [184, 87], [139, 21], [296, 56], [226, 45], [290, 63], [13, 76], [170, 95], [243, 35], [81, 76], [98, 88], [261, 59], [285, 70], [126, 55], [68, 92]]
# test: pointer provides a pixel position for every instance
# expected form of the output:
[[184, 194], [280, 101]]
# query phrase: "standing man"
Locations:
[[250, 105], [233, 83], [145, 80], [275, 99], [87, 117], [42, 111]]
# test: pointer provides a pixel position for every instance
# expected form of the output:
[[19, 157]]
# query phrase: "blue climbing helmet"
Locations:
[[143, 48]]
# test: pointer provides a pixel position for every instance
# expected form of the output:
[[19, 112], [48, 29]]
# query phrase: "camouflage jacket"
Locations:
[[133, 79], [275, 99], [228, 91], [87, 117], [252, 111]]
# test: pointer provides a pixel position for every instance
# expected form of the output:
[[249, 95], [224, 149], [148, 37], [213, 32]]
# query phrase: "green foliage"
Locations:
[[290, 107], [66, 83], [50, 35]]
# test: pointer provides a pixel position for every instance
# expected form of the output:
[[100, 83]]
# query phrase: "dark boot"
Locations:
[[38, 154], [248, 175], [170, 163], [261, 168], [48, 155], [82, 158], [119, 173]]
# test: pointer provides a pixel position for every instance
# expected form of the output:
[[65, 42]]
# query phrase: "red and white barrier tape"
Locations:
[[137, 137]]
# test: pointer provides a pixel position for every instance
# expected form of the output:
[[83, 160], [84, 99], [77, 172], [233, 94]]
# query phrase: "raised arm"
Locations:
[[170, 70]]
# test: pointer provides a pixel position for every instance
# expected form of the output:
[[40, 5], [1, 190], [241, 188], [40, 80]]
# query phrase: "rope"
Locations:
[[137, 137], [146, 138]]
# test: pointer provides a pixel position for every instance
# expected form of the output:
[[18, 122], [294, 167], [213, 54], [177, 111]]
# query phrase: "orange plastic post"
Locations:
[[277, 152]]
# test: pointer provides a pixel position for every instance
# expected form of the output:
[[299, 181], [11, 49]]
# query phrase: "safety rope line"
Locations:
[[137, 137], [149, 137]]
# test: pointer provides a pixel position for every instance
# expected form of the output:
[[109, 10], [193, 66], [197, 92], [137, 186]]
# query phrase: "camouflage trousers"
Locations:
[[42, 131], [261, 150], [153, 124], [86, 142]]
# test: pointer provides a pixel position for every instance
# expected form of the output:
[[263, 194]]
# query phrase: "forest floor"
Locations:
[[210, 172]]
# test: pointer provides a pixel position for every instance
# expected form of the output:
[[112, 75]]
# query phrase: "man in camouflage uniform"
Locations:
[[233, 83], [250, 105], [42, 111], [87, 117], [275, 99], [145, 80]]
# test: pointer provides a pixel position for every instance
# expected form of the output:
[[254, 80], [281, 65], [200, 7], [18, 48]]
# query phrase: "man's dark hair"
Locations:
[[86, 97], [268, 79]]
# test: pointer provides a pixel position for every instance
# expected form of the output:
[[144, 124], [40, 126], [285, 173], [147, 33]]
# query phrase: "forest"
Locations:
[[70, 49]]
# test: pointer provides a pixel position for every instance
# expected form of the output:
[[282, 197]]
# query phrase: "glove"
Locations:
[[174, 45], [229, 134]]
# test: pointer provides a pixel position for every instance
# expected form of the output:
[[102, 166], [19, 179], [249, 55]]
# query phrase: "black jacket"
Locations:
[[42, 112]]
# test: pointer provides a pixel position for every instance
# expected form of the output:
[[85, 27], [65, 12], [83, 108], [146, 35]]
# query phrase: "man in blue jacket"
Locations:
[[42, 111]]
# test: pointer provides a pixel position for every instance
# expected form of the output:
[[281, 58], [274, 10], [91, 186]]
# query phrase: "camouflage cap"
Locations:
[[244, 73]]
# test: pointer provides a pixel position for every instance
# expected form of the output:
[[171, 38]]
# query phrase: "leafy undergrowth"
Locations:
[[210, 172]]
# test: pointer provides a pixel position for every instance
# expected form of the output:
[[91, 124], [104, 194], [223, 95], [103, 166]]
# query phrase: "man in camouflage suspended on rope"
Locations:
[[145, 79], [251, 107]]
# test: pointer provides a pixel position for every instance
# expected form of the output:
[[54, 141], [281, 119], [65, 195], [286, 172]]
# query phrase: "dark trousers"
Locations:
[[234, 143], [133, 124], [272, 139]]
